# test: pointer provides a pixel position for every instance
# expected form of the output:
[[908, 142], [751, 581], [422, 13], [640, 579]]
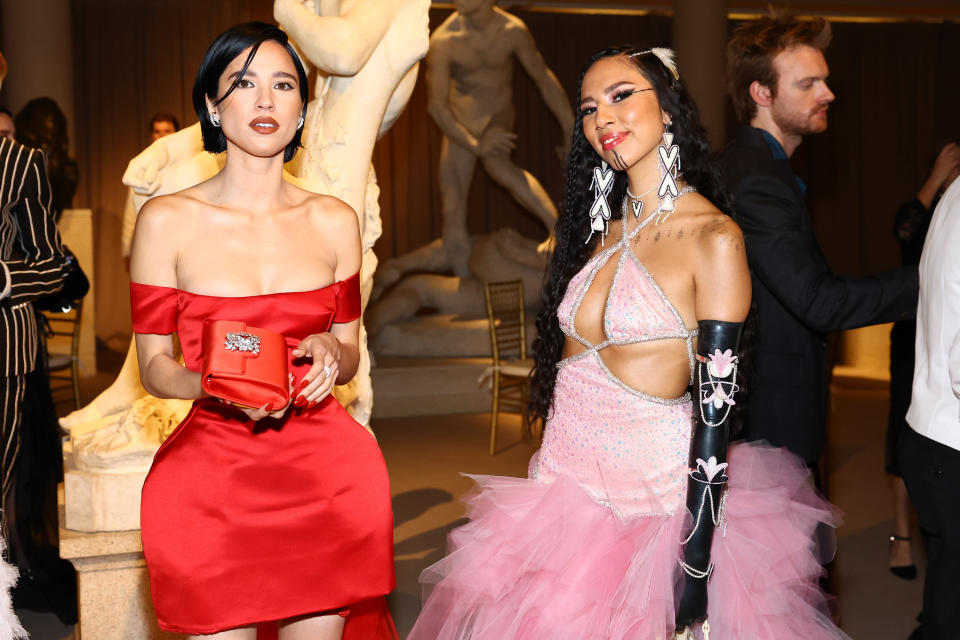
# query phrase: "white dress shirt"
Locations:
[[935, 408]]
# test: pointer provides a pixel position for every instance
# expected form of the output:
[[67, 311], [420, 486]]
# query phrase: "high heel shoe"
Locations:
[[905, 572]]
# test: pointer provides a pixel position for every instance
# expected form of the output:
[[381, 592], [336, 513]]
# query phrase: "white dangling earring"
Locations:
[[668, 162], [601, 185], [300, 123], [214, 119]]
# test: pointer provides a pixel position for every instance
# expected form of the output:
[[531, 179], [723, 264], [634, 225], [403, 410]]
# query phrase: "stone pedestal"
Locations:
[[100, 502], [113, 588]]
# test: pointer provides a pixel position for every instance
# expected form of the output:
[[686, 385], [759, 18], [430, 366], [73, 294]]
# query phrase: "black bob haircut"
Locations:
[[228, 45]]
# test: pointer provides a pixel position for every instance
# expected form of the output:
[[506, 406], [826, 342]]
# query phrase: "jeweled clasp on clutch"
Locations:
[[242, 341]]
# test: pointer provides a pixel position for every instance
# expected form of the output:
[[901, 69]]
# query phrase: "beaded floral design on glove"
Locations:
[[716, 389], [710, 468]]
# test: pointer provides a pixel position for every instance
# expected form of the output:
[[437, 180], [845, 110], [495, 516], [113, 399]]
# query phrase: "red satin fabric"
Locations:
[[348, 299], [246, 523], [153, 309]]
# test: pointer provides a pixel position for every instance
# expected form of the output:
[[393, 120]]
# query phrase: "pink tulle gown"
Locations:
[[589, 546]]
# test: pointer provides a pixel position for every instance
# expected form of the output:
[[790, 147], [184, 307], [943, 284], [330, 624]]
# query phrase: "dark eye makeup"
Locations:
[[620, 95]]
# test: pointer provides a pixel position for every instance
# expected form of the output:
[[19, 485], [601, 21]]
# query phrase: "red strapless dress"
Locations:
[[248, 523]]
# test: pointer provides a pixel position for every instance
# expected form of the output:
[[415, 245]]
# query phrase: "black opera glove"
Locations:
[[715, 384]]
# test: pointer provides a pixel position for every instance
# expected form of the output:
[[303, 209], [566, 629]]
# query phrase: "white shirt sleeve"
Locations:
[[953, 364]]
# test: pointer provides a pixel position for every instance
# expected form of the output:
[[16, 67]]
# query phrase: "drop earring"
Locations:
[[300, 123], [668, 161], [601, 185], [214, 119]]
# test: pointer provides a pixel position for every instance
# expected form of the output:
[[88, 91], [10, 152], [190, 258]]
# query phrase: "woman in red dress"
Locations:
[[253, 518]]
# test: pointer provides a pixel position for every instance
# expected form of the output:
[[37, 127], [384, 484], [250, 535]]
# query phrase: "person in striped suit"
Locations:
[[31, 266]]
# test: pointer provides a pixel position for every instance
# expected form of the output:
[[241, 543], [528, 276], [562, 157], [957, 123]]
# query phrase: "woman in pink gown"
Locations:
[[252, 518], [637, 522]]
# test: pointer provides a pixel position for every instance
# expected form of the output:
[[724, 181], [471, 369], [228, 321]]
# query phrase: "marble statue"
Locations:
[[162, 124], [128, 441], [469, 74], [367, 56], [494, 257]]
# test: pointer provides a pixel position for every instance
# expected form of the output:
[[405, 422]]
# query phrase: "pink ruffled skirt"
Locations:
[[545, 561]]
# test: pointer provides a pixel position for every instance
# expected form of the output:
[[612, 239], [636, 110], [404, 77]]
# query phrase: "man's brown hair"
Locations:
[[756, 43]]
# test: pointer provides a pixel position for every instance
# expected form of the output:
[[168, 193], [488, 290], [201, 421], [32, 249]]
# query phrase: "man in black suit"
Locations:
[[777, 74], [31, 265]]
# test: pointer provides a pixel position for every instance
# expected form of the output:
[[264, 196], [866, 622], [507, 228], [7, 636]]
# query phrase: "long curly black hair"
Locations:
[[572, 250]]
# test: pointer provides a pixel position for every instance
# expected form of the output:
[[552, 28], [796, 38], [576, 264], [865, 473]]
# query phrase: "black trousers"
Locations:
[[930, 473], [12, 390]]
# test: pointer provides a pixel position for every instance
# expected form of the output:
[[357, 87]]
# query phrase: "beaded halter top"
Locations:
[[636, 309]]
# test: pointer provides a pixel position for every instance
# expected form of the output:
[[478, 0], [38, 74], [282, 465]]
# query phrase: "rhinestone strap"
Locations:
[[716, 515], [693, 572]]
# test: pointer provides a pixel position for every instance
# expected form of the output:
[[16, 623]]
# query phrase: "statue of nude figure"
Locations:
[[469, 76], [367, 56]]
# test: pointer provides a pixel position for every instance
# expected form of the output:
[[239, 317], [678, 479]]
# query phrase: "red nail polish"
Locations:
[[300, 401], [302, 384], [313, 404]]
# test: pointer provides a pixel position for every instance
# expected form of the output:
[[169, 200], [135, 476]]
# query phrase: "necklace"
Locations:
[[636, 202], [658, 215], [633, 197]]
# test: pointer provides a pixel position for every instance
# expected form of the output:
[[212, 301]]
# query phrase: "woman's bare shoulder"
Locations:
[[172, 204], [720, 231], [722, 262], [714, 229], [332, 213], [169, 218], [721, 273], [161, 213]]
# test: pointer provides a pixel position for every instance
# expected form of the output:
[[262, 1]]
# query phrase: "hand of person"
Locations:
[[946, 164], [496, 141], [143, 172], [259, 413], [693, 603], [324, 350]]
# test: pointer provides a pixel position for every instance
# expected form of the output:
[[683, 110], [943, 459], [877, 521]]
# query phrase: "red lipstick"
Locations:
[[265, 125], [610, 140]]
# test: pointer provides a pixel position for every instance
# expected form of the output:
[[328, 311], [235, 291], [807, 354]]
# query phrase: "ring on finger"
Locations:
[[326, 371]]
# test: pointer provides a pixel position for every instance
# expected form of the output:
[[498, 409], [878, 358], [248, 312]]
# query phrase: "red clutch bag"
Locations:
[[245, 365]]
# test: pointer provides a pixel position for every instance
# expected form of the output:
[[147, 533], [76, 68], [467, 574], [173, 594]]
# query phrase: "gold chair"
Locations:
[[65, 367], [511, 368]]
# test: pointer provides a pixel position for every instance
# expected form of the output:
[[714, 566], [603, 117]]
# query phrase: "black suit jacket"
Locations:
[[799, 299], [31, 253]]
